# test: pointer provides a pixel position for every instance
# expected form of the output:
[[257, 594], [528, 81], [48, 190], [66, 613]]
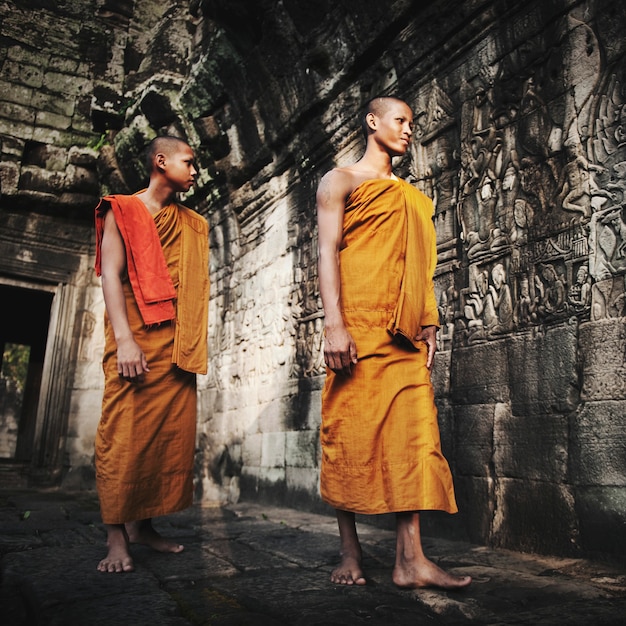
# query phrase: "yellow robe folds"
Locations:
[[380, 441], [145, 440]]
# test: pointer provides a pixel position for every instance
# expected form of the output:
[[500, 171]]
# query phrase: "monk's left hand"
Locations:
[[429, 337]]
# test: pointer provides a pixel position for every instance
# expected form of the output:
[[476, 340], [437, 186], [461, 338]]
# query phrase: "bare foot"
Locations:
[[143, 532], [118, 558], [427, 574], [348, 572]]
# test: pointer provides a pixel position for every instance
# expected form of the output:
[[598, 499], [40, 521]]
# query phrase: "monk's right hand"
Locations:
[[339, 350], [131, 361]]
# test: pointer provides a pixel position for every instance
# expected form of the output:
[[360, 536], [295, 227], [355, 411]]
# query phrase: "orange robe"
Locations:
[[381, 450], [145, 440]]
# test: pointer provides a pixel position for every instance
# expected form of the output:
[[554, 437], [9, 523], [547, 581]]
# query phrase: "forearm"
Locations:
[[115, 303], [330, 288]]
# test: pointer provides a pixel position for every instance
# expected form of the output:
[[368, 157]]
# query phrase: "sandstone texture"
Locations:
[[520, 140]]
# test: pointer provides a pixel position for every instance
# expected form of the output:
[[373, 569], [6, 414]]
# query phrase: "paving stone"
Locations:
[[254, 565]]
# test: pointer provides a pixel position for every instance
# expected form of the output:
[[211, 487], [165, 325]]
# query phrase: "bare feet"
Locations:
[[427, 574], [118, 558], [144, 533], [348, 572]]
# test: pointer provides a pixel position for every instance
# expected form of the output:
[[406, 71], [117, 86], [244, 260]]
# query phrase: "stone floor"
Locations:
[[250, 565]]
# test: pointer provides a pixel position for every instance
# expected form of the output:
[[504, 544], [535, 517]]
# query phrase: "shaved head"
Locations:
[[378, 106], [163, 145]]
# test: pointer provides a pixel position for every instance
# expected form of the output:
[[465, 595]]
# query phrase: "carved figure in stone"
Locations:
[[537, 182], [608, 298], [311, 355], [484, 101], [552, 298], [445, 192], [611, 236], [319, 367], [524, 310], [579, 191], [479, 196], [501, 300], [538, 137], [299, 364], [535, 126], [618, 188], [446, 316], [579, 295], [523, 217], [506, 167], [474, 308]]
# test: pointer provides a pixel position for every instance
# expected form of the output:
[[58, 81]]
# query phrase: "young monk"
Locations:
[[152, 254], [380, 439]]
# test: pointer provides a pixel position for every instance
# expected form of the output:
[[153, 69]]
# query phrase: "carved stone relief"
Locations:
[[531, 180]]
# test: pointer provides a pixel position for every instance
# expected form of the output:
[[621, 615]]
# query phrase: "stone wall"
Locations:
[[520, 112]]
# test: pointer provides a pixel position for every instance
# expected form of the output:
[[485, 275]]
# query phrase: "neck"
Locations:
[[378, 161], [157, 198]]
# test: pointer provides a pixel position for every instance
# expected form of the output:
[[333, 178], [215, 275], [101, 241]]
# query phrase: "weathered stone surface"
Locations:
[[519, 140]]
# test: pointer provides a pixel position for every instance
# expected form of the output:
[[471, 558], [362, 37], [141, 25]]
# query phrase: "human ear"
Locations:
[[159, 160], [370, 119]]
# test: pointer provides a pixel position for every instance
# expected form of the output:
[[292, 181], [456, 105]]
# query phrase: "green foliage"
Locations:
[[15, 363], [96, 144]]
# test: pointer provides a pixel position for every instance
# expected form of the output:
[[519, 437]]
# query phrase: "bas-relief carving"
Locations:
[[307, 304], [532, 181]]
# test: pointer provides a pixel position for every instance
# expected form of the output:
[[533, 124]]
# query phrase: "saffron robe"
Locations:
[[381, 448], [145, 441]]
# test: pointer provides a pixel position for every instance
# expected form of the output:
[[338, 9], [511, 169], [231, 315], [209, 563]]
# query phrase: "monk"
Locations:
[[380, 440], [152, 255]]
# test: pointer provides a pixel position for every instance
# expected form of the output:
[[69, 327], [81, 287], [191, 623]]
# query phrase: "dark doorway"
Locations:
[[24, 322]]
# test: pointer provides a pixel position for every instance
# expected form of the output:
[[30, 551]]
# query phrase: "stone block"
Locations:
[[53, 103], [271, 476], [83, 157], [602, 515], [603, 371], [535, 516], [67, 65], [440, 373], [533, 447], [22, 74], [302, 479], [41, 180], [479, 374], [273, 450], [251, 450], [45, 156], [18, 94], [81, 180], [272, 415], [15, 129], [302, 449], [473, 439], [598, 444], [12, 148], [53, 120], [28, 56], [445, 418], [15, 112], [543, 371], [475, 501], [56, 136], [67, 84], [9, 177]]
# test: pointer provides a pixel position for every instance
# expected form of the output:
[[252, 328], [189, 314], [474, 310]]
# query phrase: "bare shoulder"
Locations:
[[339, 182]]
